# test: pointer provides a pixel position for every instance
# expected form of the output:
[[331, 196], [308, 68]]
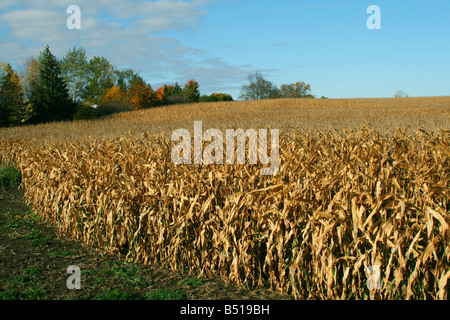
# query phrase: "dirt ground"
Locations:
[[34, 260]]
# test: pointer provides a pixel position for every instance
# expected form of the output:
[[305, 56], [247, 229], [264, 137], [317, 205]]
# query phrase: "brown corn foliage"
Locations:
[[342, 201]]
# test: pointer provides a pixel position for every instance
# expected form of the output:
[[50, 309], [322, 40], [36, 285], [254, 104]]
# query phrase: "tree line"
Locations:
[[48, 89], [259, 88]]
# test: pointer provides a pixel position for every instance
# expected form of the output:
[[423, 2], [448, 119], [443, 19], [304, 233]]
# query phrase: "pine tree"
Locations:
[[11, 98], [177, 91], [50, 98]]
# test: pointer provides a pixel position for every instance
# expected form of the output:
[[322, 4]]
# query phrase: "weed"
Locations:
[[33, 292], [9, 295], [193, 282], [117, 294], [165, 294], [38, 238], [63, 253], [10, 178]]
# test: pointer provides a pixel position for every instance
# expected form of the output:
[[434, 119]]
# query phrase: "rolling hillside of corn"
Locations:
[[362, 182]]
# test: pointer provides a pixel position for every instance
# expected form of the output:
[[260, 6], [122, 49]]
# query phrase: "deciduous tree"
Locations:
[[400, 94], [126, 77], [11, 98], [30, 76], [295, 90], [100, 79], [162, 94], [141, 96], [115, 95], [258, 88], [74, 67]]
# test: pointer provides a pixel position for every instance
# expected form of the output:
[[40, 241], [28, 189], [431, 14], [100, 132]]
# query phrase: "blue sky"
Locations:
[[323, 43]]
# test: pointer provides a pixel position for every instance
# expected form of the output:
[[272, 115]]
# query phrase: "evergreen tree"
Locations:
[[177, 91], [191, 91], [49, 97], [11, 98]]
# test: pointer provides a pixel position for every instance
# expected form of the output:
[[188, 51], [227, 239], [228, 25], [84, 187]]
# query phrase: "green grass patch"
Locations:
[[127, 272], [33, 217], [165, 294], [38, 238], [27, 277], [100, 280], [10, 178], [15, 224], [63, 253], [26, 286], [117, 294], [31, 272], [193, 282], [15, 220], [86, 272], [9, 295], [33, 292]]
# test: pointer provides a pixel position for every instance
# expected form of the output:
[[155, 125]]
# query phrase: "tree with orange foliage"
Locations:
[[163, 94], [115, 95], [141, 96]]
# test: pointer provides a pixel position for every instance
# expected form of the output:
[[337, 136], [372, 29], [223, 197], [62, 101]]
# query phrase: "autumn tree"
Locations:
[[141, 96], [11, 98], [115, 95], [29, 76], [162, 94], [49, 97], [295, 90]]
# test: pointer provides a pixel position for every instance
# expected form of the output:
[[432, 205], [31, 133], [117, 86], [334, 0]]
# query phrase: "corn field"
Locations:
[[341, 202]]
